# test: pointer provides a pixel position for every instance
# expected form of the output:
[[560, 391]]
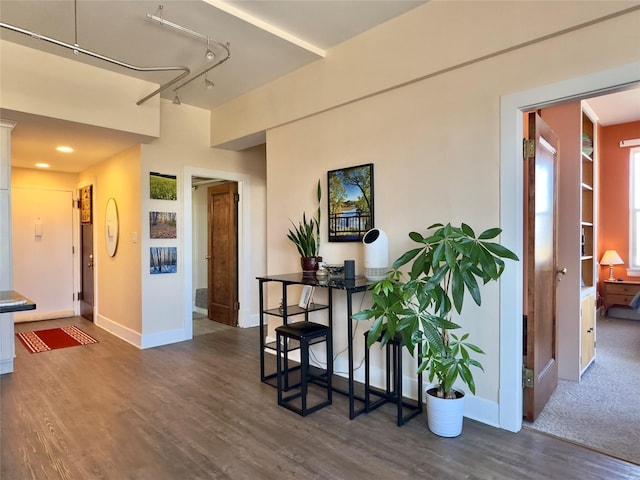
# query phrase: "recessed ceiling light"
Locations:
[[42, 165], [64, 149]]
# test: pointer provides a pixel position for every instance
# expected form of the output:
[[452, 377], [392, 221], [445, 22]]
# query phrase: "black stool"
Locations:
[[393, 391], [307, 333]]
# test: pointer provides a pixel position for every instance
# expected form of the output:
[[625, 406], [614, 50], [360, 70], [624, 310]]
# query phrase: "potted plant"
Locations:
[[419, 305], [306, 237]]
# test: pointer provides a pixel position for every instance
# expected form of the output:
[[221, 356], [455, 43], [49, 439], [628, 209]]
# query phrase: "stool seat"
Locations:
[[306, 333], [393, 390], [302, 329]]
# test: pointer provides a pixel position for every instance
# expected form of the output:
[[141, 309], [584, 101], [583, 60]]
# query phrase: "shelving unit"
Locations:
[[588, 261], [349, 287], [587, 151]]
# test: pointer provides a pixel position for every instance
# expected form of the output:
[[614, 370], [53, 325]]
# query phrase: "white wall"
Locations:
[[183, 150], [40, 257]]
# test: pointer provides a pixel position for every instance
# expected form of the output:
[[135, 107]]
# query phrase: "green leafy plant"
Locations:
[[306, 235], [418, 304]]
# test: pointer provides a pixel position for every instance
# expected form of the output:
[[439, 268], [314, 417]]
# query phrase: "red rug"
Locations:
[[54, 338]]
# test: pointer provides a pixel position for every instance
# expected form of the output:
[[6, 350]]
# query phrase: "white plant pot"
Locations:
[[444, 415]]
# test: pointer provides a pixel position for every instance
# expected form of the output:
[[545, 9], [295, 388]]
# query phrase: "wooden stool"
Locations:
[[307, 333], [393, 390]]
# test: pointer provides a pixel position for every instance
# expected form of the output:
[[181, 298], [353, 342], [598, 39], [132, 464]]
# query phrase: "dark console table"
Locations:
[[360, 284]]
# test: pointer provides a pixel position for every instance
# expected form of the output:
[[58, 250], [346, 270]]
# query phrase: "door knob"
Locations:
[[90, 264], [562, 271], [207, 257]]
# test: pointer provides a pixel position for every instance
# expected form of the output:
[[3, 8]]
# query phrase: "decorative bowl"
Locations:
[[334, 270]]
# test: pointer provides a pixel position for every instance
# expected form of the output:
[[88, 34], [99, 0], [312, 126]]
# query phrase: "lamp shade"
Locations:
[[611, 257]]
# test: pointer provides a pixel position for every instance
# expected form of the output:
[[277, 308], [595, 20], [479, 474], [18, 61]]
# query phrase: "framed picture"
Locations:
[[162, 225], [163, 186], [306, 297], [163, 260], [86, 199], [350, 203]]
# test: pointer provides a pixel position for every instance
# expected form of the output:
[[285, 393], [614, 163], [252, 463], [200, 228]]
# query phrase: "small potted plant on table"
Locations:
[[306, 237]]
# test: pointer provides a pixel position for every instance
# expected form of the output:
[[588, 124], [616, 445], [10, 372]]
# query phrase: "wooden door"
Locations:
[[86, 271], [222, 230], [540, 356]]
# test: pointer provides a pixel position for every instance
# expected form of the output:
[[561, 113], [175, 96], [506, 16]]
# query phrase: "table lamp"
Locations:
[[611, 258]]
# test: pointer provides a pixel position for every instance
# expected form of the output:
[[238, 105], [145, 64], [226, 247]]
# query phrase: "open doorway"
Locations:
[[512, 107], [594, 165], [215, 253]]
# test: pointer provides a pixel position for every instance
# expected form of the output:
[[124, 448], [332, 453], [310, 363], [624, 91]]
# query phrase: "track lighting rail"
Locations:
[[77, 49]]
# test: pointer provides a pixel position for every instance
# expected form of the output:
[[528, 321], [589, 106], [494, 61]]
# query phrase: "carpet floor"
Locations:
[[602, 411]]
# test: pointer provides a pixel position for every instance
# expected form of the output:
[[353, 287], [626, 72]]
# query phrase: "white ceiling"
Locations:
[[621, 107], [267, 38]]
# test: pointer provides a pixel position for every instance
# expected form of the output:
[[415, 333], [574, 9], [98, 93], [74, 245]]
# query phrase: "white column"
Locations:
[[7, 345]]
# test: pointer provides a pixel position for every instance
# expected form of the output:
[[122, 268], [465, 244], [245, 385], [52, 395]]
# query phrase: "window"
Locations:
[[634, 212]]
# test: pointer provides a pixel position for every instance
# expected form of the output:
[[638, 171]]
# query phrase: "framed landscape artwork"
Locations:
[[163, 260], [163, 186], [162, 225], [350, 203]]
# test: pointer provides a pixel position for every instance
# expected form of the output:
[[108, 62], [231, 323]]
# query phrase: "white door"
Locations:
[[42, 226]]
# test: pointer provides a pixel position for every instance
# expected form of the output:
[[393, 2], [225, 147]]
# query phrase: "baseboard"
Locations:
[[21, 317], [142, 341], [166, 337], [123, 333], [253, 321]]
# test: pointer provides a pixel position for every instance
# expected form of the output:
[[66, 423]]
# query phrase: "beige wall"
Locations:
[[118, 292], [434, 142], [183, 150], [26, 177], [426, 41]]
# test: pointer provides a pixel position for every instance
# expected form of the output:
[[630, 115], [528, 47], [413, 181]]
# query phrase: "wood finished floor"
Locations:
[[197, 410]]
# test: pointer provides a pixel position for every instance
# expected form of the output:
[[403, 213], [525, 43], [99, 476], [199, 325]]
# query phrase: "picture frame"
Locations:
[[306, 297], [162, 225], [86, 204], [163, 186], [163, 260], [351, 203]]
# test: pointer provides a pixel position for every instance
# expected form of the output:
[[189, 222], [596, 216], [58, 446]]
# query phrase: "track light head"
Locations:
[[208, 83], [209, 55], [176, 100]]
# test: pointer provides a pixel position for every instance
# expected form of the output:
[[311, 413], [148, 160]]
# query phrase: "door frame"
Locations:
[[77, 258], [512, 108], [77, 238], [244, 243]]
